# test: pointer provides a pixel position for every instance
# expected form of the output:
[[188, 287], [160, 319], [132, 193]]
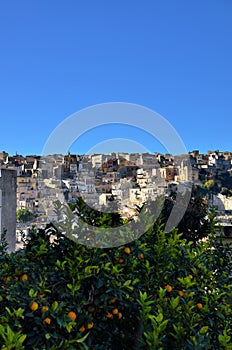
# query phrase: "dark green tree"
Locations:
[[24, 215], [195, 223], [95, 217]]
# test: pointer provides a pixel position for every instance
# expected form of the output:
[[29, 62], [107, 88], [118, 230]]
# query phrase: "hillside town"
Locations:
[[105, 180]]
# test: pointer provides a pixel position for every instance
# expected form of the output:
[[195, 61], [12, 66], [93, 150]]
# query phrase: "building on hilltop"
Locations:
[[8, 206], [3, 157]]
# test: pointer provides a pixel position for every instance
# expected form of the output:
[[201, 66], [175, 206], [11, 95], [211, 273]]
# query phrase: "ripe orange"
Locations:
[[113, 301], [90, 325], [34, 306], [121, 260], [127, 250], [115, 311], [47, 320], [109, 315], [191, 276], [181, 294], [44, 308], [119, 315], [72, 315], [24, 277], [82, 329], [168, 288], [200, 306], [141, 256]]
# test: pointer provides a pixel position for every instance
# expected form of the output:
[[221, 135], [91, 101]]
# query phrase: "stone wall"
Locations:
[[8, 185]]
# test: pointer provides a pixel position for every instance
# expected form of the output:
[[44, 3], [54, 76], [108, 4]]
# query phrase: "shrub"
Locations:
[[160, 290]]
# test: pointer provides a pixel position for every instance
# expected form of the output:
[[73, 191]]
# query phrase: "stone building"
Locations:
[[8, 186]]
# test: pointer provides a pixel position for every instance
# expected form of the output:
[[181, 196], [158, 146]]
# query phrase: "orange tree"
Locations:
[[157, 292]]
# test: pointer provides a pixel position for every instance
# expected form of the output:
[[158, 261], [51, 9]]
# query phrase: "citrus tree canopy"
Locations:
[[156, 291]]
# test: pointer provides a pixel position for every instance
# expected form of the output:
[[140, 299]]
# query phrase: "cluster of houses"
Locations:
[[101, 179]]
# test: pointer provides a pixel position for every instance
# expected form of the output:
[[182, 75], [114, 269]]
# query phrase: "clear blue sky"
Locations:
[[173, 56]]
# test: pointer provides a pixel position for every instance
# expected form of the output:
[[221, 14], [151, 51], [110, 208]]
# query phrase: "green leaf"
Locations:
[[100, 283], [220, 315], [162, 326], [22, 338], [54, 305], [81, 340], [175, 302], [127, 283], [159, 318], [204, 329], [32, 293]]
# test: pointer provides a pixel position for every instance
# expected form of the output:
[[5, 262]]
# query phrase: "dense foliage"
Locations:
[[221, 182], [159, 292], [24, 215], [195, 223]]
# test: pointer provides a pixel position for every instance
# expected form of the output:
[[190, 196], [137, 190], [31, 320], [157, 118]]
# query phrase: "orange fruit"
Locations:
[[168, 288], [34, 306], [82, 329], [109, 315], [44, 308], [47, 320], [24, 277], [127, 250], [115, 311], [113, 301], [141, 256], [191, 276], [119, 315], [72, 315], [181, 294], [90, 325], [121, 260], [200, 306]]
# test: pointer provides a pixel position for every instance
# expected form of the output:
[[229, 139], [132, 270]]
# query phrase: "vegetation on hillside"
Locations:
[[24, 215], [219, 183]]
